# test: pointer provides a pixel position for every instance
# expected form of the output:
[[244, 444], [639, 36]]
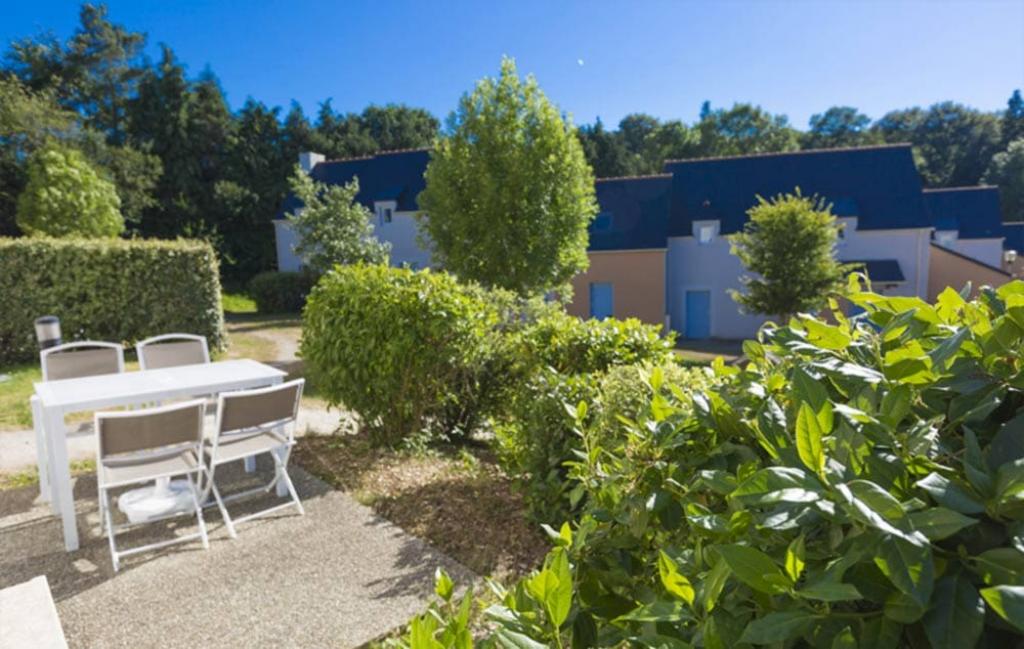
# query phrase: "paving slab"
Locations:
[[339, 576]]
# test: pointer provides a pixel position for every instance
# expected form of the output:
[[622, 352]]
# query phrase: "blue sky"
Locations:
[[592, 58]]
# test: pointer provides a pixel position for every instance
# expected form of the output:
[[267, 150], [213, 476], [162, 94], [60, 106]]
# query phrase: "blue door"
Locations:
[[601, 306], [698, 314]]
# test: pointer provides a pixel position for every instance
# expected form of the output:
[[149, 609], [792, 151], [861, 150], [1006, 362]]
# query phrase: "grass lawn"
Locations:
[[237, 303]]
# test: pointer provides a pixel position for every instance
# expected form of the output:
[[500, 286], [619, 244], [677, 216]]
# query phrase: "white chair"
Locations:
[[249, 423], [78, 359], [146, 445], [172, 350], [70, 361]]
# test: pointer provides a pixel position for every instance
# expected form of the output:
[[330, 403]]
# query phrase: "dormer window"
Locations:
[[945, 238], [385, 212], [705, 232]]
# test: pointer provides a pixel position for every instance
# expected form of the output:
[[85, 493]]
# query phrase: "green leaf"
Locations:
[[809, 439], [778, 484], [1001, 566], [844, 640], [658, 611], [829, 591], [713, 584], [950, 494], [795, 555], [909, 567], [778, 627], [938, 523], [443, 585], [559, 600], [825, 336], [674, 582], [754, 568], [957, 613], [1007, 602], [507, 639], [903, 608]]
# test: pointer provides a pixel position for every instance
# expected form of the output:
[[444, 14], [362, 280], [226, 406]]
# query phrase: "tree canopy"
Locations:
[[509, 192], [789, 247], [65, 196], [1007, 171]]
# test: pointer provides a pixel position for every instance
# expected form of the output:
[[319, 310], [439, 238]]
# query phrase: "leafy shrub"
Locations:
[[561, 359], [574, 346], [408, 351], [855, 485], [280, 292], [65, 196], [107, 289]]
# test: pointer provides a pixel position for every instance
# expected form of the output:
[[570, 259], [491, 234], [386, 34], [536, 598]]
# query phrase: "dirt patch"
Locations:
[[459, 501]]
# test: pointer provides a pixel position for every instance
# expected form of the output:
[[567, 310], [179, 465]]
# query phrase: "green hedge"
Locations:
[[278, 292], [107, 289]]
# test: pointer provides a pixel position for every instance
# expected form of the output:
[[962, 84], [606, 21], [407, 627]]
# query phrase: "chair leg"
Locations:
[[223, 511], [104, 495], [283, 475], [199, 512]]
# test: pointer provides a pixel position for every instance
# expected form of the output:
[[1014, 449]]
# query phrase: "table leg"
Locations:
[[60, 476], [281, 487], [41, 451], [250, 464]]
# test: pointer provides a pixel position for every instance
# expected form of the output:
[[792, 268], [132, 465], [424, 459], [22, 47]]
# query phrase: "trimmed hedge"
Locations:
[[280, 292], [107, 289]]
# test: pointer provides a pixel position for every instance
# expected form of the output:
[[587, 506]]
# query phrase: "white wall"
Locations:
[[400, 233], [987, 251], [714, 268], [284, 240]]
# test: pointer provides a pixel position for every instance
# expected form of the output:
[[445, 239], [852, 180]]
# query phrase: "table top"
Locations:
[[127, 388]]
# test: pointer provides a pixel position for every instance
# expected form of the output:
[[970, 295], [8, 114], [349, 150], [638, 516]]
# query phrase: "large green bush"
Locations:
[[409, 351], [855, 485], [106, 289], [559, 358], [280, 292]]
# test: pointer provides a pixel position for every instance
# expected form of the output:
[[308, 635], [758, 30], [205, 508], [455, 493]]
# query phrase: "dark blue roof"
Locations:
[[881, 270], [973, 211], [633, 213], [1014, 233], [879, 185], [387, 176]]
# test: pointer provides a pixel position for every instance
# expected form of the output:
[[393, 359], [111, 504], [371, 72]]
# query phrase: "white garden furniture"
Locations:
[[56, 399]]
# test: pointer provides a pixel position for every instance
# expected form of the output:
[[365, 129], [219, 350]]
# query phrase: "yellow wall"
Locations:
[[950, 269], [638, 284]]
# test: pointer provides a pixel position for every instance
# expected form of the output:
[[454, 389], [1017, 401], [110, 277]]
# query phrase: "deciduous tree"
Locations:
[[509, 192], [331, 227], [789, 247], [1007, 171], [65, 196]]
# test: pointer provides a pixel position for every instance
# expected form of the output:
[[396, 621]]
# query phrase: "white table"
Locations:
[[54, 400]]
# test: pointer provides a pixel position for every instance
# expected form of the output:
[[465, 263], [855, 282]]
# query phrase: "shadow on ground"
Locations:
[[338, 576]]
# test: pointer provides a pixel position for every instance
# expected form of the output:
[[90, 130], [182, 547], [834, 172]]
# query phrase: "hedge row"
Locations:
[[107, 289], [281, 292]]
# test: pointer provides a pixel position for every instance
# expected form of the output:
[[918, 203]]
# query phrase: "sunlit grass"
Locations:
[[30, 477], [237, 303]]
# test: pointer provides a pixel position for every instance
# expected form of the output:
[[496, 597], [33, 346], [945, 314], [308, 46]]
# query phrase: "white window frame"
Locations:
[[385, 211]]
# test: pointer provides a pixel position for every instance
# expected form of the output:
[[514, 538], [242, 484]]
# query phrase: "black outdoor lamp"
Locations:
[[48, 331]]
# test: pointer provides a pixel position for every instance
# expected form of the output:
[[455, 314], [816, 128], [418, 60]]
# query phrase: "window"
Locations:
[[383, 214], [601, 300], [705, 231], [705, 234], [387, 215]]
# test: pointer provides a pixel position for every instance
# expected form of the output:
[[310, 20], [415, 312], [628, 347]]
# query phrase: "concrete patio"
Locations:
[[339, 576]]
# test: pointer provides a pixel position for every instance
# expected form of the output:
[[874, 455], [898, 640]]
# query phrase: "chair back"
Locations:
[[135, 431], [172, 350], [86, 358], [253, 411]]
